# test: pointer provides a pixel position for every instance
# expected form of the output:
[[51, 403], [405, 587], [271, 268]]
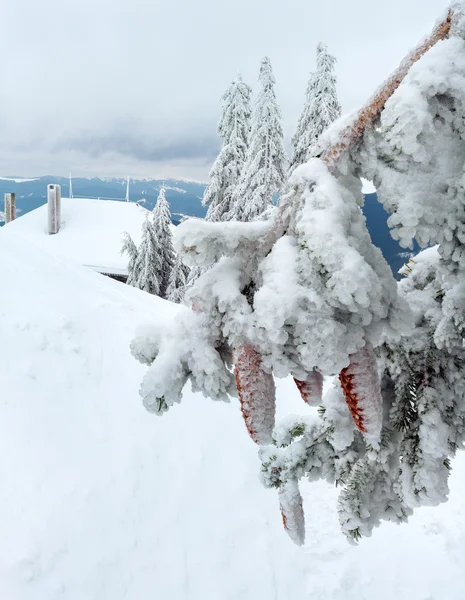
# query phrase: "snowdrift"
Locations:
[[100, 500]]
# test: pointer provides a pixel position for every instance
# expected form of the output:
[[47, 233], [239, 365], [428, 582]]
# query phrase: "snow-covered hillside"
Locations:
[[100, 500]]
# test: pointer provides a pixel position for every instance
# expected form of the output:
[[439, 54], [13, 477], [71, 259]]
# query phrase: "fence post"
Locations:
[[10, 207], [54, 208]]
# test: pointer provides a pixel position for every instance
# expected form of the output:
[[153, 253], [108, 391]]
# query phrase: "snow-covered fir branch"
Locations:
[[313, 297]]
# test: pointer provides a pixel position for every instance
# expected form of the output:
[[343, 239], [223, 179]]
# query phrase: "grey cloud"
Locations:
[[142, 78], [135, 146]]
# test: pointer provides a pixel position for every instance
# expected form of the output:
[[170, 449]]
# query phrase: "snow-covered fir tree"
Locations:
[[233, 128], [178, 281], [307, 295], [264, 169], [130, 249], [321, 107], [148, 266], [162, 231], [224, 176]]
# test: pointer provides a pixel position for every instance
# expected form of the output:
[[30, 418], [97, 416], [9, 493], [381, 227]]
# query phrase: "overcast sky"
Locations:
[[117, 87]]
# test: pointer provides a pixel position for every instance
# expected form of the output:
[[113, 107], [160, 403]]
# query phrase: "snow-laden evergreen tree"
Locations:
[[178, 281], [264, 169], [149, 265], [162, 231], [224, 176], [233, 128], [130, 249], [321, 107], [307, 295]]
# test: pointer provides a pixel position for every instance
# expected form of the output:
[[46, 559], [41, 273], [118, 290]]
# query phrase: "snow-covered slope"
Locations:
[[100, 500]]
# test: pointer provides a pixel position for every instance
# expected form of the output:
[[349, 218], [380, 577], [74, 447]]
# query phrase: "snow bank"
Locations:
[[101, 501]]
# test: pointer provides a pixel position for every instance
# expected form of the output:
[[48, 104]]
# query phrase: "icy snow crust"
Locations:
[[99, 501]]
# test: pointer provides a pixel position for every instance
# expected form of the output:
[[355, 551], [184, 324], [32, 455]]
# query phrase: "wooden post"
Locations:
[[54, 208], [58, 205], [10, 207]]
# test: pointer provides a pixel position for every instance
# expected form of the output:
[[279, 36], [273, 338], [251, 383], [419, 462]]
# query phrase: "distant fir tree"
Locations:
[[130, 249], [321, 107], [178, 280], [149, 261], [264, 170], [233, 128], [164, 238]]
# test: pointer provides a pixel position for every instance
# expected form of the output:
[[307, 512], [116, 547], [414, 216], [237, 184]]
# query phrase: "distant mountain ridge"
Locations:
[[185, 198], [381, 237]]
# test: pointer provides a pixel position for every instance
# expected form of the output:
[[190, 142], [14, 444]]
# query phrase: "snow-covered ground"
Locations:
[[100, 500]]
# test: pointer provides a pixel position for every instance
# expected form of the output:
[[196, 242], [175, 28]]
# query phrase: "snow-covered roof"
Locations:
[[90, 232]]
